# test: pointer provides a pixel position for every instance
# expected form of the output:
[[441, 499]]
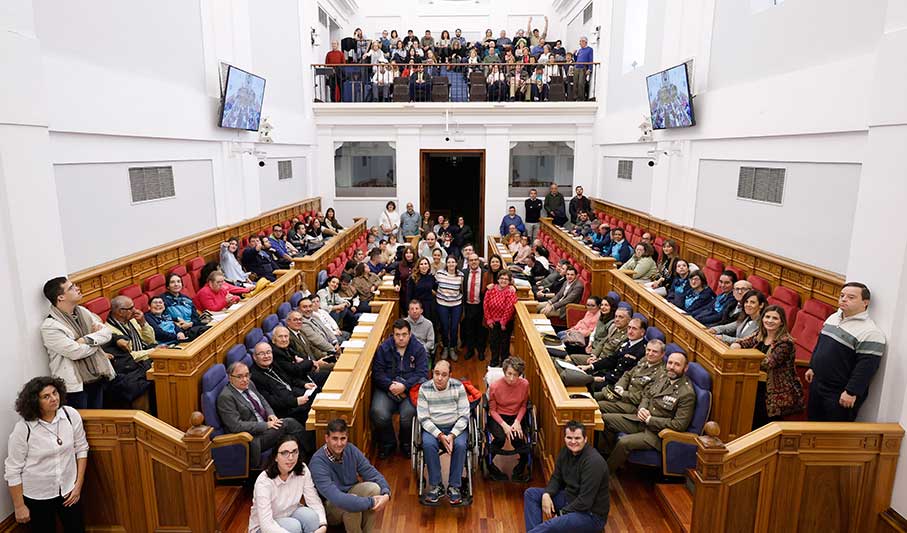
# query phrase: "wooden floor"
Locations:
[[497, 508]]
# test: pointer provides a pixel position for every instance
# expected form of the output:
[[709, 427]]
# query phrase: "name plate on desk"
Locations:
[[353, 344], [368, 318]]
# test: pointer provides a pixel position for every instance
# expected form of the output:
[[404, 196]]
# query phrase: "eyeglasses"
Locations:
[[240, 376], [128, 308], [288, 453], [740, 289]]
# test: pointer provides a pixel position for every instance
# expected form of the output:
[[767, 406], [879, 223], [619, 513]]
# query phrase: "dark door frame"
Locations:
[[425, 196]]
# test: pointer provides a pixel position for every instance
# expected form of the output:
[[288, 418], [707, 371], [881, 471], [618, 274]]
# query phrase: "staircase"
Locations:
[[676, 500]]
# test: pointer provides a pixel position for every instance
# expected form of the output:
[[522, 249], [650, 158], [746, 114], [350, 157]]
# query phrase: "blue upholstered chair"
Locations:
[[614, 295], [283, 310], [229, 451], [653, 333], [295, 299], [269, 323], [252, 338]]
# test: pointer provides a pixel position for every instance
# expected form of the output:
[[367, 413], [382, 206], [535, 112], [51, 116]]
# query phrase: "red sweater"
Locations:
[[507, 399], [500, 305], [208, 300], [334, 57]]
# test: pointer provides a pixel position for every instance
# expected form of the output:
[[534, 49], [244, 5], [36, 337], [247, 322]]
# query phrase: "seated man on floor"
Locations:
[[668, 402], [443, 411], [242, 408], [130, 346], [576, 498], [421, 327], [400, 363], [215, 295], [570, 293], [289, 395], [625, 395], [337, 468], [258, 261]]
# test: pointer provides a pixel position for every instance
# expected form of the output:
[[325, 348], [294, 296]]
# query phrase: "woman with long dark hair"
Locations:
[[421, 286], [404, 269]]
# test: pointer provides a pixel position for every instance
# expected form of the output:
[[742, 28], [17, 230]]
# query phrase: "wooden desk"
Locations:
[[735, 373], [590, 260], [177, 373], [353, 382], [310, 265], [553, 405], [522, 293], [696, 246]]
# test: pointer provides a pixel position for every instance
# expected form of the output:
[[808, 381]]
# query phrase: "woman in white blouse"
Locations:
[[389, 221], [285, 499], [48, 453]]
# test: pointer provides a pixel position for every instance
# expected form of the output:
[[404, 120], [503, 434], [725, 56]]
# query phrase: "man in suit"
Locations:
[[242, 408], [625, 395], [622, 347], [296, 363], [570, 293], [419, 85], [628, 354], [287, 393], [321, 341], [668, 403], [473, 334]]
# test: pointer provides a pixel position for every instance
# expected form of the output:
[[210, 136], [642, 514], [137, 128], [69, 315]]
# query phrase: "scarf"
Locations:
[[129, 331], [95, 366]]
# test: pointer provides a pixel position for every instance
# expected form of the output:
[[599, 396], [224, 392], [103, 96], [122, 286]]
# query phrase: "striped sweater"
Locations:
[[450, 288], [445, 408], [848, 354]]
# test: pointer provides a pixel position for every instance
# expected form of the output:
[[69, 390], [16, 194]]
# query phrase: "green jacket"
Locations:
[[671, 403], [606, 345]]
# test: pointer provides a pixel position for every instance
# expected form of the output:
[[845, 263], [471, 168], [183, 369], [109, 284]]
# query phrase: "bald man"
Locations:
[[130, 346]]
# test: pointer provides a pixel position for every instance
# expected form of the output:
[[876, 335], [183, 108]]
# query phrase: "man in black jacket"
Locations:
[[258, 261], [576, 498], [533, 212], [290, 396], [295, 363], [628, 354], [578, 204]]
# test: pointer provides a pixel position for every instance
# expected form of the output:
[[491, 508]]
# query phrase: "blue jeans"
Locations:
[[303, 520], [431, 446], [450, 323], [573, 522], [383, 409]]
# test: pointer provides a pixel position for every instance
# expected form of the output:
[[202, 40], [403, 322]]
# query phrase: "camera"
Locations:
[[447, 139], [652, 162], [261, 163]]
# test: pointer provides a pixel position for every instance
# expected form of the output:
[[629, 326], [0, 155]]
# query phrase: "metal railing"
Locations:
[[455, 82]]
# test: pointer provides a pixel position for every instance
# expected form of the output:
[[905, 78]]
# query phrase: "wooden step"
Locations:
[[677, 503], [229, 500]]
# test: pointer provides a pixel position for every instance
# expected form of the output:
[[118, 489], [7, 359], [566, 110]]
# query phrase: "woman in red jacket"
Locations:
[[215, 296], [499, 307]]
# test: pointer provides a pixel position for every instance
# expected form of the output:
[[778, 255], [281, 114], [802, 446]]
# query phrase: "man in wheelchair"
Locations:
[[443, 413]]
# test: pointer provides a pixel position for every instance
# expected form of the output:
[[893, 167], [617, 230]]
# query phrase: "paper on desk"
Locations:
[[329, 395], [567, 366], [369, 318], [521, 282], [353, 343], [235, 306], [362, 329], [217, 317], [538, 321], [542, 328]]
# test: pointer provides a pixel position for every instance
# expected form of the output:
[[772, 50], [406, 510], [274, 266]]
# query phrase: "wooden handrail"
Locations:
[[145, 475], [108, 278], [553, 404], [352, 379], [796, 476], [177, 373], [697, 246], [735, 373]]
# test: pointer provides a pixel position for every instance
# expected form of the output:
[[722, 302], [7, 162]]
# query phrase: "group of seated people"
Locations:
[[513, 69]]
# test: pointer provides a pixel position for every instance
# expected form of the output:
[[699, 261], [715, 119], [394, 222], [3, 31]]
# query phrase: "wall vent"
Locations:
[[625, 169], [151, 183], [761, 184], [322, 17], [285, 170], [587, 13]]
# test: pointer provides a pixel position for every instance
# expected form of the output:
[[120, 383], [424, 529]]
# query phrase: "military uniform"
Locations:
[[671, 404], [601, 348], [633, 384]]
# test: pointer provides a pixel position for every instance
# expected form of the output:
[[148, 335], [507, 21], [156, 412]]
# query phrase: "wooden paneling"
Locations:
[[310, 265], [796, 476], [108, 278], [355, 385], [588, 258], [177, 373], [735, 373], [696, 246], [553, 405], [145, 475]]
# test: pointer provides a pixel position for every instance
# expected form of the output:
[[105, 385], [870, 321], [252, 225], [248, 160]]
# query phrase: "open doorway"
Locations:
[[453, 185]]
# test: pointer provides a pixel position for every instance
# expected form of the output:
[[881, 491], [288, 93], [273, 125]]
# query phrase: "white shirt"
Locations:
[[276, 498], [44, 468]]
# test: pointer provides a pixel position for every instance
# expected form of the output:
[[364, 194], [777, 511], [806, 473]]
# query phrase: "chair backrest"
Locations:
[[736, 271], [614, 296], [188, 284], [673, 348], [295, 299], [213, 381], [321, 279], [154, 285], [626, 306], [653, 333], [99, 306], [787, 299], [236, 353], [713, 269], [641, 316], [809, 324], [270, 322], [760, 284], [194, 268], [252, 338], [575, 313], [702, 385], [138, 297], [283, 310]]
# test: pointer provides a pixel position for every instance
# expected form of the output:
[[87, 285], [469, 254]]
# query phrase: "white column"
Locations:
[[409, 180], [497, 182]]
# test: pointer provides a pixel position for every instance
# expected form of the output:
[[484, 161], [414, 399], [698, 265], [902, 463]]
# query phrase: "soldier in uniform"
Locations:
[[628, 354], [599, 349], [625, 396], [668, 403]]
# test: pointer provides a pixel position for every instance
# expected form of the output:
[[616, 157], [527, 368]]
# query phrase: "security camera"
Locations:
[[447, 139], [652, 162], [261, 163]]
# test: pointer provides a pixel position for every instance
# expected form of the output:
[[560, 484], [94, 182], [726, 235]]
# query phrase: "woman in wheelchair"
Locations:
[[507, 400]]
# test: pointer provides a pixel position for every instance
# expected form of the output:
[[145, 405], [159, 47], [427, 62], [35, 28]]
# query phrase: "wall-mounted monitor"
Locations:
[[243, 96], [670, 99]]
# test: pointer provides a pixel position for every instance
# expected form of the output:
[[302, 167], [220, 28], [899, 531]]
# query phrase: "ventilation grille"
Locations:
[[625, 169], [587, 13], [761, 184], [285, 170], [322, 17], [151, 183]]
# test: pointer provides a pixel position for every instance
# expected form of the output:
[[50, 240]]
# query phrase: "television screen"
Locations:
[[670, 101], [242, 100]]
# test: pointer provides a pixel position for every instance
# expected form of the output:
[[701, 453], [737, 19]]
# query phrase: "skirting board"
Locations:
[[11, 526], [892, 522]]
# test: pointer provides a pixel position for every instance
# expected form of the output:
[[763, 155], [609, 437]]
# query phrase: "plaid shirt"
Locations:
[[500, 305]]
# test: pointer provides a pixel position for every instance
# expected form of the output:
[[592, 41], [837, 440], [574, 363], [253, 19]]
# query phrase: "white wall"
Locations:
[[813, 224], [276, 192], [635, 193]]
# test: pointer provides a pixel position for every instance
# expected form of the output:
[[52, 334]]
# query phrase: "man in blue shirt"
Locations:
[[581, 73], [511, 218]]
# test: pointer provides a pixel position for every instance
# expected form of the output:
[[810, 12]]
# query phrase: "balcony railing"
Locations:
[[456, 82]]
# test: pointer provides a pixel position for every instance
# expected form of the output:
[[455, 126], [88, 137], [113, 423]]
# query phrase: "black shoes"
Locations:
[[520, 473], [495, 473]]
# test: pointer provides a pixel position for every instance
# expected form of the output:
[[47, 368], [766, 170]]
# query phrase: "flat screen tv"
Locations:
[[243, 97], [670, 100]]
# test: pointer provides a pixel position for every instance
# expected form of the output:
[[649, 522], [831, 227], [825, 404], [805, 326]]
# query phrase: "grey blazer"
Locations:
[[237, 415], [319, 338], [561, 299]]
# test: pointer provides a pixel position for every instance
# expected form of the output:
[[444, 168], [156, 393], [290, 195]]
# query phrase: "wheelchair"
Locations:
[[484, 420], [473, 449]]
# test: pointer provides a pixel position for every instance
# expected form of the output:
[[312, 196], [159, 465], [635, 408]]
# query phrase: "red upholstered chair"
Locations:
[[712, 270], [601, 217], [586, 278], [138, 297], [99, 306], [286, 226], [188, 285], [154, 285], [621, 224], [194, 268], [658, 243], [629, 229], [575, 313], [735, 270], [760, 284], [809, 324], [634, 239], [787, 299]]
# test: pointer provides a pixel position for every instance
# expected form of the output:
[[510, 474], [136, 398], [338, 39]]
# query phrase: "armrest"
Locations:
[[669, 435], [280, 272], [231, 439]]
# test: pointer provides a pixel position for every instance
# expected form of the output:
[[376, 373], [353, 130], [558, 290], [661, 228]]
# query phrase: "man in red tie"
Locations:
[[473, 334]]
